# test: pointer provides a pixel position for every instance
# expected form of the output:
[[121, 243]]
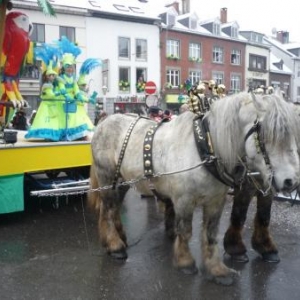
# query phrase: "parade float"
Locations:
[[28, 164]]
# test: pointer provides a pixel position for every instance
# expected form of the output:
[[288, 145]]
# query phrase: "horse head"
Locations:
[[271, 142], [261, 128]]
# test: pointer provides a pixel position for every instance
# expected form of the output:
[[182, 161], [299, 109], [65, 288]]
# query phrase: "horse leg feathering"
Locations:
[[262, 241], [108, 203]]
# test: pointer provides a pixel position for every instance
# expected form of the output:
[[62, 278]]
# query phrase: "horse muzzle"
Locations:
[[288, 185]]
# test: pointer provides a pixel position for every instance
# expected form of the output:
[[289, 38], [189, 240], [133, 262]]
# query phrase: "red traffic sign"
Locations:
[[150, 87]]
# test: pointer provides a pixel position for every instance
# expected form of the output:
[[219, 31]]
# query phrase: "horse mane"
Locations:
[[280, 122], [225, 128]]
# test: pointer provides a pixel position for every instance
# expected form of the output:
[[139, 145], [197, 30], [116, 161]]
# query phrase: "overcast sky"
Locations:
[[258, 15]]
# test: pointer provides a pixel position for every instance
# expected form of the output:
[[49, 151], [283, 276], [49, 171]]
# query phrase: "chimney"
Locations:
[[186, 7], [223, 15], [175, 4], [283, 37]]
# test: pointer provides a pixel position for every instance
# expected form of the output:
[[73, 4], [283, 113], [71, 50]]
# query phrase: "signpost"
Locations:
[[150, 87]]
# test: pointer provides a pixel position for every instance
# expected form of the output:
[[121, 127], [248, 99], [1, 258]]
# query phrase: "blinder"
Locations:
[[259, 144]]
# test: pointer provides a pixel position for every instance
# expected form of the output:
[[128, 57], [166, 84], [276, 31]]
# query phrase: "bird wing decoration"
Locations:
[[89, 65]]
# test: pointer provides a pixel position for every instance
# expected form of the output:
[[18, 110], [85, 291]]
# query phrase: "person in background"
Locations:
[[19, 121], [167, 115], [155, 113]]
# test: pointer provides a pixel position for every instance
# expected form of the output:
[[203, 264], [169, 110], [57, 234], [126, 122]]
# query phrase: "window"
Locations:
[[124, 47], [234, 32], [298, 71], [255, 37], [124, 83], [195, 52], [141, 49], [105, 73], [38, 33], [193, 23], [218, 77], [68, 32], [217, 54], [298, 94], [235, 83], [195, 77], [171, 20], [141, 78], [235, 57], [257, 63], [173, 78], [31, 70], [173, 49], [216, 28]]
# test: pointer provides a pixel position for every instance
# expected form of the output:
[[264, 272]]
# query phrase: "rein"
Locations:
[[200, 105], [122, 152], [255, 130]]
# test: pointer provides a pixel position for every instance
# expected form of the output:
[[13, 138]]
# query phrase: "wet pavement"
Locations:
[[55, 254]]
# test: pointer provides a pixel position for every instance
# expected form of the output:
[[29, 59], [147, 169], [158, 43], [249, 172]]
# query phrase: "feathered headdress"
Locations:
[[50, 56], [88, 65], [68, 50]]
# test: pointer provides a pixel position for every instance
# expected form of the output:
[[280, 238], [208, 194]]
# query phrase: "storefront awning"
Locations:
[[175, 98], [172, 98]]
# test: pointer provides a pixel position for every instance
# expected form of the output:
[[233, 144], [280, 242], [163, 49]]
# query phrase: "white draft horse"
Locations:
[[180, 175], [262, 241]]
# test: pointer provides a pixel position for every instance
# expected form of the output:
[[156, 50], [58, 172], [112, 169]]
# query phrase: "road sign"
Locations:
[[151, 100], [150, 87]]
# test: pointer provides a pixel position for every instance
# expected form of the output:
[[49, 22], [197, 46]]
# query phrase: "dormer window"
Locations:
[[234, 32], [257, 38], [170, 20], [193, 23], [216, 28]]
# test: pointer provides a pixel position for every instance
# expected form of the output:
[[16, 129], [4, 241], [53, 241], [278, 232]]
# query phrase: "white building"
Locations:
[[123, 34]]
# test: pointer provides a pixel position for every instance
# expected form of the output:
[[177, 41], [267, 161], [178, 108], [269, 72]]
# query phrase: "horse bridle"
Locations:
[[255, 130], [260, 145]]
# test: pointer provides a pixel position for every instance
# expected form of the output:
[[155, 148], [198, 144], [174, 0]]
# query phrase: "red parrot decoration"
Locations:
[[15, 47]]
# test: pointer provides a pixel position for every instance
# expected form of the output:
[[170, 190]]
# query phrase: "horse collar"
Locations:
[[148, 143], [206, 151], [122, 152]]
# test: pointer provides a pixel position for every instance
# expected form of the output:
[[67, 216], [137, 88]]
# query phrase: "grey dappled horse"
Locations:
[[182, 176], [261, 241]]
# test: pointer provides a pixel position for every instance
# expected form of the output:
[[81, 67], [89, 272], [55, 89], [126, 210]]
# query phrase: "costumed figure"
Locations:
[[49, 122], [221, 90], [77, 126], [270, 90], [15, 47], [19, 120], [197, 102], [87, 66]]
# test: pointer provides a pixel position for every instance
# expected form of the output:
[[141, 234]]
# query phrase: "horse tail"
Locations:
[[102, 116], [94, 200]]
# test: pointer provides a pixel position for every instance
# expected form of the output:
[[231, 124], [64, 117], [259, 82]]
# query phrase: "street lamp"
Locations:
[[104, 90]]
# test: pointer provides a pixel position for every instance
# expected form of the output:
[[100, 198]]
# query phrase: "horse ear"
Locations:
[[259, 103]]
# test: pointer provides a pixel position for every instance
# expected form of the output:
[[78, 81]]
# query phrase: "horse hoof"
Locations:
[[120, 254], [223, 280], [189, 270], [240, 258], [271, 257]]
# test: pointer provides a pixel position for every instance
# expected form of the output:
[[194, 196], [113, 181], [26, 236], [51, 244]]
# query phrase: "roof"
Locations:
[[273, 42], [273, 68]]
